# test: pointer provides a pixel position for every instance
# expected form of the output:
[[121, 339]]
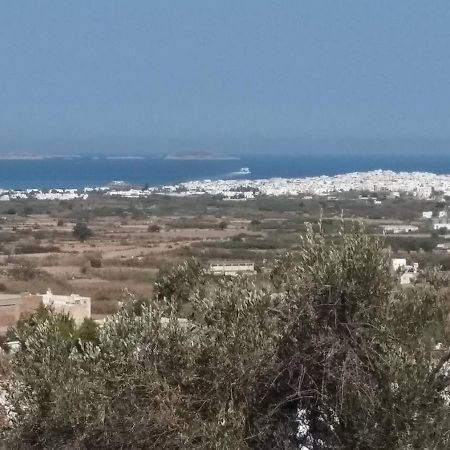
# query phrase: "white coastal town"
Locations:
[[419, 184]]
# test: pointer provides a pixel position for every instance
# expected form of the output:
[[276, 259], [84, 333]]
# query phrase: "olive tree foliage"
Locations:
[[334, 356], [176, 286], [360, 369], [148, 382]]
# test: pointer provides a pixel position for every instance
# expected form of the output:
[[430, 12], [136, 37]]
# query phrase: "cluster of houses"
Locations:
[[37, 194], [439, 222], [418, 184]]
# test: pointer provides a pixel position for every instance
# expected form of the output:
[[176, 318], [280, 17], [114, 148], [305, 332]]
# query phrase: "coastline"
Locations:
[[423, 185]]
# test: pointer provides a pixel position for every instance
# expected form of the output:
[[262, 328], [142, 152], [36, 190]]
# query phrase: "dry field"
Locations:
[[121, 257]]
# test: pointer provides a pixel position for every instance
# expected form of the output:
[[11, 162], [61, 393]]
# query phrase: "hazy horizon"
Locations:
[[225, 146]]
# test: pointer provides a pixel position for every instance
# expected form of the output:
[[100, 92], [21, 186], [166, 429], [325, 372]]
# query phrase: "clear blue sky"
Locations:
[[141, 71]]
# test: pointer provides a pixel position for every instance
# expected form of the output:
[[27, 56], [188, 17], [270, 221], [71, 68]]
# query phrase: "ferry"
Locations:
[[243, 171]]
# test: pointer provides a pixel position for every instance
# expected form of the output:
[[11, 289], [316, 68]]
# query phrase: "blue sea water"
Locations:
[[89, 172]]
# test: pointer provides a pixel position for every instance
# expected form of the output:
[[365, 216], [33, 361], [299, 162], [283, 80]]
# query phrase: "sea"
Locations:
[[94, 171]]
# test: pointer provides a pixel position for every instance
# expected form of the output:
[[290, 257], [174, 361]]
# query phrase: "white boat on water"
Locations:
[[242, 171]]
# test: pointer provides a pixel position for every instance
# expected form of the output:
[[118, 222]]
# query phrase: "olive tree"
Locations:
[[359, 362]]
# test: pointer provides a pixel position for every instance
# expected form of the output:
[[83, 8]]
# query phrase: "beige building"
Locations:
[[79, 308], [15, 306]]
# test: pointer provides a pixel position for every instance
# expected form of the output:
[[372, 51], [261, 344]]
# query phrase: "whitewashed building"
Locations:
[[232, 268], [78, 307], [398, 263], [397, 229], [439, 226]]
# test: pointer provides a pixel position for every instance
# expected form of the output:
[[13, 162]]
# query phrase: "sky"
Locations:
[[141, 75]]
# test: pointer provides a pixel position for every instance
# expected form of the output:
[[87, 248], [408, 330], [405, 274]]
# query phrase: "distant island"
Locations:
[[126, 157], [199, 156], [13, 157], [32, 157]]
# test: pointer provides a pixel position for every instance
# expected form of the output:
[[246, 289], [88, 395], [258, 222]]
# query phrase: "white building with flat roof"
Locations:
[[397, 229], [78, 307], [398, 263], [439, 226], [232, 268]]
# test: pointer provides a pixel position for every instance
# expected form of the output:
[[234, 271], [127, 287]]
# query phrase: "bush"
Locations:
[[88, 331], [82, 232], [153, 228], [24, 271], [36, 248], [96, 263]]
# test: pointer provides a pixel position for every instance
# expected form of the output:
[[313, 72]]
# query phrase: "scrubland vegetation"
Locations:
[[101, 246], [329, 354]]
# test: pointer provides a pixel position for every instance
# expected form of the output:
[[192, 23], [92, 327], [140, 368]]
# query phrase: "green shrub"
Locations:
[[96, 263], [153, 228], [82, 232]]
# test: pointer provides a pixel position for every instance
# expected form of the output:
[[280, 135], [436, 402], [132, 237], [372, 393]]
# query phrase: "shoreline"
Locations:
[[421, 184]]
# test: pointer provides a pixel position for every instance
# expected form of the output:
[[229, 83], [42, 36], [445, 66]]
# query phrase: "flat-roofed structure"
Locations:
[[78, 307], [398, 263], [232, 268], [441, 226], [397, 229]]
